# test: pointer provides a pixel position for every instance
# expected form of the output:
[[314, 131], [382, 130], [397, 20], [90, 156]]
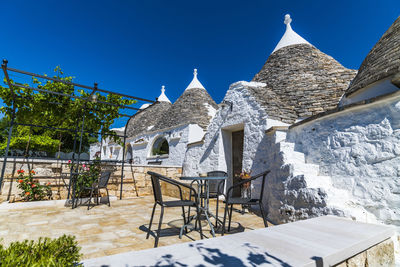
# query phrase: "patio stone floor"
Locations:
[[104, 230]]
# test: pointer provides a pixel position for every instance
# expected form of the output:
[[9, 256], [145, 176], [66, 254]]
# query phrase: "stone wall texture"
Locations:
[[136, 181], [358, 152], [177, 138], [381, 254], [246, 114]]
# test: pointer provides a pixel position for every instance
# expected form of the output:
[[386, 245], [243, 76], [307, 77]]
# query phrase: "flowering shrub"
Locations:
[[32, 190], [88, 174]]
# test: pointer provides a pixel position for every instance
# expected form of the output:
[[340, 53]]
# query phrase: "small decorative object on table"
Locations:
[[246, 190]]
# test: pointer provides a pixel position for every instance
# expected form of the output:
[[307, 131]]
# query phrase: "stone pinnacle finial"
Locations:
[[195, 82], [162, 89], [290, 37], [288, 19]]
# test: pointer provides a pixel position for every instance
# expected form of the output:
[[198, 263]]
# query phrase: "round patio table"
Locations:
[[203, 181]]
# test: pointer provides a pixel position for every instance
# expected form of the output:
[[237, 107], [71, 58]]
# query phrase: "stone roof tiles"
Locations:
[[191, 107], [145, 120], [301, 81], [382, 61]]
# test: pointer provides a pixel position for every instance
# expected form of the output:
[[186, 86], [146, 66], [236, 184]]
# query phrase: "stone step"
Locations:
[[306, 169], [318, 181]]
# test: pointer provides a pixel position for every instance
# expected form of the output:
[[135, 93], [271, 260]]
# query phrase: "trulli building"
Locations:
[[159, 134], [329, 135], [296, 82]]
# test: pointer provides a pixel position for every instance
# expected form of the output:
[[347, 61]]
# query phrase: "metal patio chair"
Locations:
[[230, 201], [158, 199], [101, 183]]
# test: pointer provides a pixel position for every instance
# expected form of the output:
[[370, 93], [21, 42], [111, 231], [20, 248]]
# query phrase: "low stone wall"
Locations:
[[136, 181], [380, 255]]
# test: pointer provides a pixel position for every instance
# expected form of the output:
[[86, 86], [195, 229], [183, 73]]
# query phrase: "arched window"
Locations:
[[160, 147]]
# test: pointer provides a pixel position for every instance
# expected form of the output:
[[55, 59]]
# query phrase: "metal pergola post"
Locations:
[[123, 163], [73, 173], [10, 129]]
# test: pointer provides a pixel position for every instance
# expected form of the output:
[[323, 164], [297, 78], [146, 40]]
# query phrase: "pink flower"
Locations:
[[69, 161], [83, 165]]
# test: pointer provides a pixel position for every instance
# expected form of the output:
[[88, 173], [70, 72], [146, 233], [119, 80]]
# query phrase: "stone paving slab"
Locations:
[[323, 241], [104, 230]]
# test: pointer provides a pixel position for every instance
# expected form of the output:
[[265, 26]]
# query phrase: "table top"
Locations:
[[329, 240], [191, 178]]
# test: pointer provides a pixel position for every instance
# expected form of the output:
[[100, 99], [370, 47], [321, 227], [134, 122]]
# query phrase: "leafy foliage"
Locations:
[[62, 251], [32, 190], [58, 111], [88, 175]]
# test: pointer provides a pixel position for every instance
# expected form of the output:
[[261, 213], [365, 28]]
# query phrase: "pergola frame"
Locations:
[[73, 173]]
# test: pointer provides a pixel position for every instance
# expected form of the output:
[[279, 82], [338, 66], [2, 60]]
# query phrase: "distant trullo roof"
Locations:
[[382, 61], [195, 106], [148, 116], [301, 81]]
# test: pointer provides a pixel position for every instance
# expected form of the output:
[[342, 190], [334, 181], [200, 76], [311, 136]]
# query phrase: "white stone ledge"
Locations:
[[322, 241]]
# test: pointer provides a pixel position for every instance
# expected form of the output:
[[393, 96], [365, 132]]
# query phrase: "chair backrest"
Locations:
[[155, 182], [248, 181], [264, 175], [213, 184], [103, 180]]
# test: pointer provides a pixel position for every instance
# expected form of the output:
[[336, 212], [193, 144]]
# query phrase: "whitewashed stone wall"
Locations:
[[215, 152], [177, 138], [359, 149]]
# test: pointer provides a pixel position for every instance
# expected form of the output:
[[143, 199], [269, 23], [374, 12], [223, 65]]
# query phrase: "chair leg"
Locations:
[[151, 220], [108, 198], [198, 220], [90, 198], [159, 227], [223, 223], [97, 193], [216, 214], [183, 215], [230, 219], [263, 215]]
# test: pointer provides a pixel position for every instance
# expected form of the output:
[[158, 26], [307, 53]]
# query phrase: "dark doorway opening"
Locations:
[[237, 159]]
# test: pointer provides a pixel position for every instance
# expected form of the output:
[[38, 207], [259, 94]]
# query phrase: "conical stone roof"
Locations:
[[194, 106], [301, 81], [382, 61], [148, 116], [145, 120]]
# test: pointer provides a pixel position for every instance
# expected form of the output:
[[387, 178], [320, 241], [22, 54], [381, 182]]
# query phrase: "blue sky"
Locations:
[[134, 47]]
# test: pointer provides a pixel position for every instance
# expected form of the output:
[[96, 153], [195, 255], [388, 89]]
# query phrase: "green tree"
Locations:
[[59, 111]]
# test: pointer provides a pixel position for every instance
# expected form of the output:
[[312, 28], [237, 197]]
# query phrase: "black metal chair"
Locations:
[[101, 183], [229, 200], [155, 181]]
